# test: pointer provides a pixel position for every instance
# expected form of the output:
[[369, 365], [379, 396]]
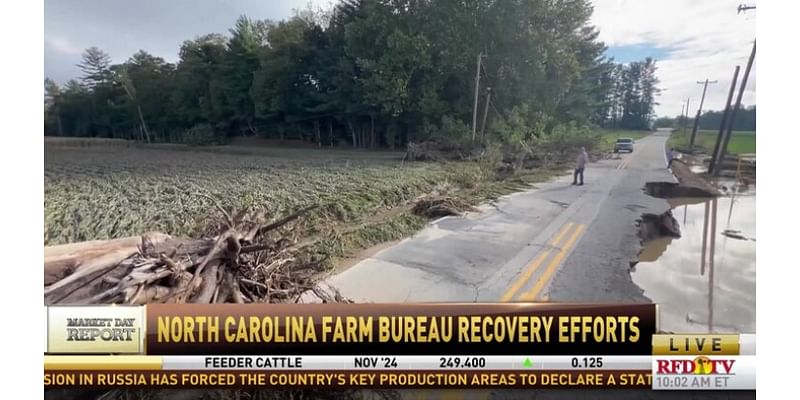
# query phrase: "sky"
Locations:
[[691, 40], [123, 27]]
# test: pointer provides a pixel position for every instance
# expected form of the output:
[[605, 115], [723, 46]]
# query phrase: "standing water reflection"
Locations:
[[704, 281]]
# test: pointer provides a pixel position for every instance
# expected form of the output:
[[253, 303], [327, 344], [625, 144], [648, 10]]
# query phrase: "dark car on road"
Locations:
[[623, 144]]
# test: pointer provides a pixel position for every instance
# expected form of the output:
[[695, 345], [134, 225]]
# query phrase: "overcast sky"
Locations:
[[691, 39]]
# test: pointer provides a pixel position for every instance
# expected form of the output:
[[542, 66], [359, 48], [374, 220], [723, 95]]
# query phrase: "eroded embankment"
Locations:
[[653, 229]]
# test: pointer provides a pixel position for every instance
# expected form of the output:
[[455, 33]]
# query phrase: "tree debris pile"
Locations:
[[246, 261], [437, 205]]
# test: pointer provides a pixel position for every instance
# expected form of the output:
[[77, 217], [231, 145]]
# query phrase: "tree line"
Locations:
[[368, 74], [710, 120]]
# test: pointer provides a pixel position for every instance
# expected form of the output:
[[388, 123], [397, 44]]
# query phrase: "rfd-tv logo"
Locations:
[[702, 373], [699, 366]]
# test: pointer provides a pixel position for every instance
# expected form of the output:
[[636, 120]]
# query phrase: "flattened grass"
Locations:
[[95, 192]]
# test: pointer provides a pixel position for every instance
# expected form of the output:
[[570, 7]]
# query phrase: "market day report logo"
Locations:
[[94, 329]]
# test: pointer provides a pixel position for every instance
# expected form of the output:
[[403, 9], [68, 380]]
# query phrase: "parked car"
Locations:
[[623, 144]]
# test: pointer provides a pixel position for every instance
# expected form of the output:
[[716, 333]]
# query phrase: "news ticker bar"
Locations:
[[348, 379], [654, 372]]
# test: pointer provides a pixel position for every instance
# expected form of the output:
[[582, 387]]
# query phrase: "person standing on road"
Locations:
[[580, 164]]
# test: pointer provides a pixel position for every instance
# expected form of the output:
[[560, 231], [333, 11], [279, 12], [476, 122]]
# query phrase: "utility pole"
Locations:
[[699, 110], [685, 117], [732, 118], [486, 112], [680, 120], [719, 149], [712, 166], [477, 92]]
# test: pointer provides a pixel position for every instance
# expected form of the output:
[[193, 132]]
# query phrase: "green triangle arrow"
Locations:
[[527, 363]]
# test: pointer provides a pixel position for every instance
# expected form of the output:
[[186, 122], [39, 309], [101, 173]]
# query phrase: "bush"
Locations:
[[448, 130], [202, 135]]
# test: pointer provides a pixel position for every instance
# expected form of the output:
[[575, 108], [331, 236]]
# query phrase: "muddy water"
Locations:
[[705, 282]]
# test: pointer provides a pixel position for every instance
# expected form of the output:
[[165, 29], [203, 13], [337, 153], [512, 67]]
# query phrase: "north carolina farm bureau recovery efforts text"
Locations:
[[398, 329]]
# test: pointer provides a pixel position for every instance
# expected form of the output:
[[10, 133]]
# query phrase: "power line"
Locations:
[[490, 86], [495, 110]]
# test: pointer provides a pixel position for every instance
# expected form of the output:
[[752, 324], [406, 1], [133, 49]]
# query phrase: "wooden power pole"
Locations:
[[485, 112], [726, 125], [683, 111], [685, 117], [477, 92], [738, 104], [699, 110], [712, 166], [679, 124]]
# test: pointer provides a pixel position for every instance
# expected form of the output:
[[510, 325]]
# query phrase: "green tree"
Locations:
[[153, 81], [98, 78], [281, 76], [198, 97], [638, 91], [53, 100], [95, 65], [371, 73], [239, 65], [391, 60], [76, 108]]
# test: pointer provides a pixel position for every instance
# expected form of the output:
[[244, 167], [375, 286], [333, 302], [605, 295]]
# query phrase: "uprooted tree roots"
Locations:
[[248, 261]]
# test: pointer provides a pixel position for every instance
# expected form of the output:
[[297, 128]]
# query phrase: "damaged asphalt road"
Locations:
[[598, 269], [558, 242]]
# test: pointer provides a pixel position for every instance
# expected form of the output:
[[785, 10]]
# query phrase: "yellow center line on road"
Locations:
[[551, 268], [534, 265], [626, 162]]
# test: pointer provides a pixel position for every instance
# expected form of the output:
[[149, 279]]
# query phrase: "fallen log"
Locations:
[[64, 260]]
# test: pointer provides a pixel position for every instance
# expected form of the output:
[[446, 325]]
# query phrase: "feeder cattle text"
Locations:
[[398, 329]]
